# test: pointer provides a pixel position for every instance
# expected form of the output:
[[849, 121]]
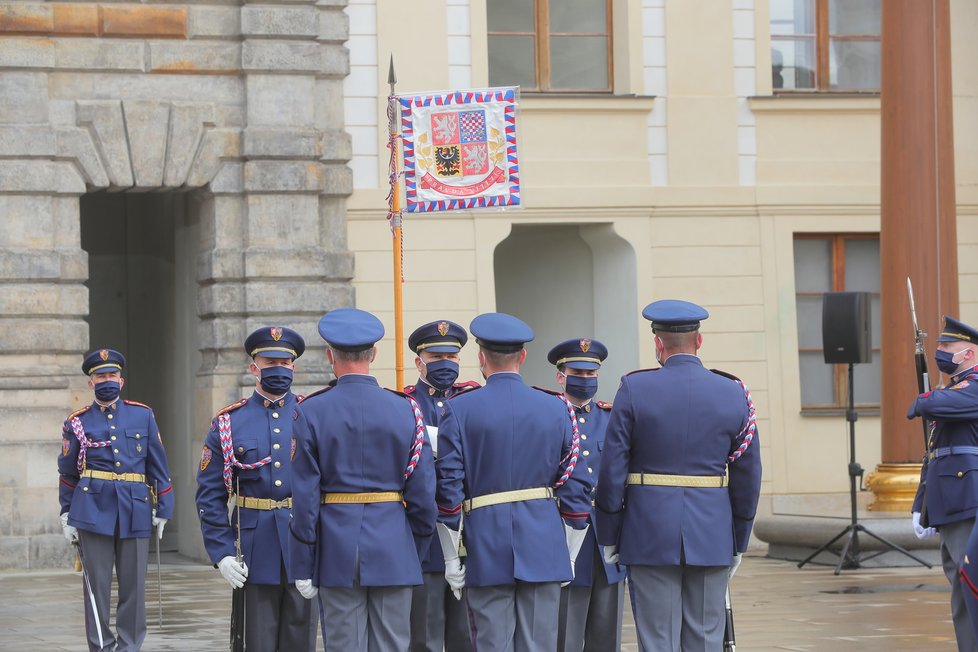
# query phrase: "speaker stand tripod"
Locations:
[[850, 556]]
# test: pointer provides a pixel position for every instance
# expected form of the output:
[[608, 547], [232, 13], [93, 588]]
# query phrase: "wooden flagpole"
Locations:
[[395, 220]]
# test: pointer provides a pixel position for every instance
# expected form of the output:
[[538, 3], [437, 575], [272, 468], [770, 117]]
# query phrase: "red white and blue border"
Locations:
[[495, 184]]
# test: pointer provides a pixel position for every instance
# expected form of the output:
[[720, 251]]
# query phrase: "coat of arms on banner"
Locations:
[[460, 150]]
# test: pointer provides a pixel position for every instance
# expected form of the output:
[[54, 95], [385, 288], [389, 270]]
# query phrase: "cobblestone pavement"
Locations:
[[777, 607]]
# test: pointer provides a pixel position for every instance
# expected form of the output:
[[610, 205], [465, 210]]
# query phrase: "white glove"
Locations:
[[70, 531], [306, 589], [610, 554], [158, 523], [455, 576], [921, 531], [574, 539], [233, 572], [737, 558]]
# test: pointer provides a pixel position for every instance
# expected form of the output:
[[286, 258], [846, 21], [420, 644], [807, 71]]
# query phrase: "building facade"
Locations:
[[175, 175]]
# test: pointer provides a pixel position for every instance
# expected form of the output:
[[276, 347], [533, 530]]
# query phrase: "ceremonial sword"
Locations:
[[237, 594], [729, 639], [159, 572], [91, 594]]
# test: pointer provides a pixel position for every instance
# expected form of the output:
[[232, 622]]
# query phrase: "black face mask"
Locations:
[[441, 374], [582, 386], [276, 380], [107, 390]]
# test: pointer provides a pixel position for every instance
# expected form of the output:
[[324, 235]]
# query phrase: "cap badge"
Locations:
[[104, 354], [443, 328], [276, 333], [585, 345]]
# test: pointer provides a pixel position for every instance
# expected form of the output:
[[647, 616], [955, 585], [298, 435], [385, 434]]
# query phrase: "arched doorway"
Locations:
[[142, 287], [570, 280]]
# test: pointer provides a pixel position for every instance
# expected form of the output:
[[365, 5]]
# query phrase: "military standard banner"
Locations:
[[460, 150]]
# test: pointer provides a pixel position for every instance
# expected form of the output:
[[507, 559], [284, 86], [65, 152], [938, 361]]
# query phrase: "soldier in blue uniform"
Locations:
[[591, 606], [510, 462], [680, 481], [438, 621], [249, 447], [948, 487], [363, 495], [112, 463]]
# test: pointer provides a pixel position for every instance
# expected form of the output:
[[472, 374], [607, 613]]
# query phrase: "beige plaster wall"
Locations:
[[704, 236]]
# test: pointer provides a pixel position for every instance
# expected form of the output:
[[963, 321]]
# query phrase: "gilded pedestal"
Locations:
[[894, 486]]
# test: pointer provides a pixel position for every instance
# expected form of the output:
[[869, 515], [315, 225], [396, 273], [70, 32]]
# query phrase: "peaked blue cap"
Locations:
[[102, 361], [438, 337], [500, 332], [674, 316], [350, 329], [956, 331], [275, 342], [581, 353]]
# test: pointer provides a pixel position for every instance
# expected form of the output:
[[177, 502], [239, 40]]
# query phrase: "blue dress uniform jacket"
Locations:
[[503, 437], [259, 428], [357, 437], [950, 478], [592, 421], [681, 419], [432, 403], [135, 446]]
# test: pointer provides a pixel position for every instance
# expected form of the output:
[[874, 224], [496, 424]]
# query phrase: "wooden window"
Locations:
[[825, 45], [550, 45], [835, 263]]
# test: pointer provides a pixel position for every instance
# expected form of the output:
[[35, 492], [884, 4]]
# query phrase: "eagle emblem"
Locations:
[[104, 354], [585, 345], [65, 447], [443, 328], [276, 333], [205, 458]]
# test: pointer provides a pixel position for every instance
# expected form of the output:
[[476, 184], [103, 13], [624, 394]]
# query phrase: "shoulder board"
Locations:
[[546, 391], [464, 388], [399, 393], [604, 405], [726, 375], [136, 403], [637, 371], [409, 389], [234, 406], [78, 413], [300, 399]]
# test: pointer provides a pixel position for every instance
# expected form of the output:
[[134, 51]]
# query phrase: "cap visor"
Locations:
[[442, 349], [583, 365]]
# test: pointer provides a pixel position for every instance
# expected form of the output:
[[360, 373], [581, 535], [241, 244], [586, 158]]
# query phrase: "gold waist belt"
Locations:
[[249, 502], [365, 497], [109, 475], [663, 480], [519, 495]]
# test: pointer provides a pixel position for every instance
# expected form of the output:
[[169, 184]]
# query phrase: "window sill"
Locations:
[[585, 102], [816, 103], [867, 411]]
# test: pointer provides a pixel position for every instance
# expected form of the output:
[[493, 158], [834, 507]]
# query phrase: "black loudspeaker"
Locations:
[[846, 332]]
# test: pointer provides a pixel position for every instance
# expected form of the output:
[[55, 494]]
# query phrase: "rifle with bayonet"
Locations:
[[237, 594], [729, 638], [923, 385], [154, 494]]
